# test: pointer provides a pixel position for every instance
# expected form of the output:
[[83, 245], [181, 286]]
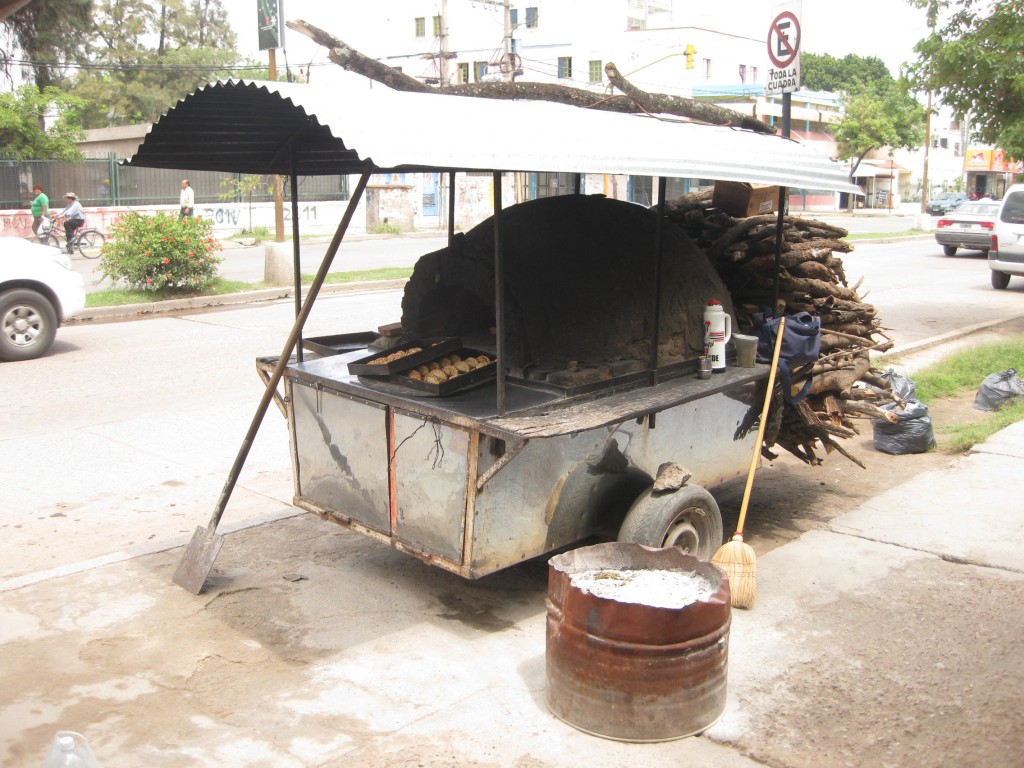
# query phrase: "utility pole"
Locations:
[[443, 66], [510, 75], [278, 181], [925, 190]]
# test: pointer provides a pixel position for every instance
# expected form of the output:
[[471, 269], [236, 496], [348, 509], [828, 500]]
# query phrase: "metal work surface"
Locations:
[[286, 128]]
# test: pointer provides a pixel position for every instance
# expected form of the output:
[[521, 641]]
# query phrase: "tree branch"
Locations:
[[633, 101]]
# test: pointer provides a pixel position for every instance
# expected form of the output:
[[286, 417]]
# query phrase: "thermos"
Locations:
[[717, 332]]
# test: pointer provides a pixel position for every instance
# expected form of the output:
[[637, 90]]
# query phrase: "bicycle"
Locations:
[[87, 241]]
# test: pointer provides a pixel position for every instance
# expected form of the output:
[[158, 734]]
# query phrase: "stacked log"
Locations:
[[844, 387]]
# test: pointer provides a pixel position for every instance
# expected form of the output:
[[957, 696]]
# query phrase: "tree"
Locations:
[[244, 186], [882, 114], [49, 33], [147, 55], [973, 61], [827, 73], [24, 114]]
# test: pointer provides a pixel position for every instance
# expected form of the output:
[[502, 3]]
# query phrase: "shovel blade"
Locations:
[[197, 562]]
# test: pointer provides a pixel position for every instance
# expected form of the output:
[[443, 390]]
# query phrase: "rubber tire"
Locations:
[[688, 518], [53, 241], [1000, 280], [90, 243], [25, 304], [949, 250]]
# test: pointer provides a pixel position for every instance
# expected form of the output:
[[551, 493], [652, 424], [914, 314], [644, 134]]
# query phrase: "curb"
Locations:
[[201, 303]]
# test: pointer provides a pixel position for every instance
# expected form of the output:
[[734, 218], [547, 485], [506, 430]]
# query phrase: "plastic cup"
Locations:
[[746, 350]]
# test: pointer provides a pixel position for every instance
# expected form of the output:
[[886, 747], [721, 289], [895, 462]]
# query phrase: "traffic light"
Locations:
[[690, 52]]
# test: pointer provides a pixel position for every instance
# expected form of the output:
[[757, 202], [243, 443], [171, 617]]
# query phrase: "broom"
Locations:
[[735, 557]]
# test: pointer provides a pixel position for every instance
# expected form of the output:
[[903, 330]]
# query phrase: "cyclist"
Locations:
[[73, 216]]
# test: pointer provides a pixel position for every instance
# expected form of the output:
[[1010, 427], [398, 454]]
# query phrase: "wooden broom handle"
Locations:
[[761, 426]]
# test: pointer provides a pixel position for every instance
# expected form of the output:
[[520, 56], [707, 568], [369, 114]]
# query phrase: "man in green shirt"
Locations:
[[40, 208]]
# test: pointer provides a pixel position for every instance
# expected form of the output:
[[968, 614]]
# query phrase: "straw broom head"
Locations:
[[739, 562]]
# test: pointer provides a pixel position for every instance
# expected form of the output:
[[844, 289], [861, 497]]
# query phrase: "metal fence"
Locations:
[[103, 182]]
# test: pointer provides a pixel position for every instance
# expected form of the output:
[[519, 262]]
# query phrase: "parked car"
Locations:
[[969, 225], [38, 291], [946, 201], [1006, 254]]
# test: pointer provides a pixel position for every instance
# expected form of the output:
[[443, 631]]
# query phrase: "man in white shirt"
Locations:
[[187, 200]]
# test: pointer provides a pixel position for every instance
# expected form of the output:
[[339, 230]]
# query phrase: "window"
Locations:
[[479, 70], [596, 71], [743, 73], [944, 143], [565, 66], [513, 17], [531, 18], [463, 73], [421, 27], [437, 26], [753, 74], [706, 69]]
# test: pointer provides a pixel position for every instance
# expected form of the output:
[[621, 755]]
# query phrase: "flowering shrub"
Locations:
[[161, 252]]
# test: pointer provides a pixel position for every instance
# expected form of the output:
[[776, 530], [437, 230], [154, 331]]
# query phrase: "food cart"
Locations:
[[537, 448]]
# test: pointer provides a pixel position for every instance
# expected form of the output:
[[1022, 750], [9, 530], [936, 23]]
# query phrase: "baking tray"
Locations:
[[458, 383], [431, 349], [338, 343]]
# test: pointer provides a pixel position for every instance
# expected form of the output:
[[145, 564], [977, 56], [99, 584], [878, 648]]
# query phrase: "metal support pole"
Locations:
[[499, 294], [451, 207], [296, 253], [659, 246]]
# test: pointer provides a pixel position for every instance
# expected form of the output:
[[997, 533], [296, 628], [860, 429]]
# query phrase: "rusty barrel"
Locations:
[[636, 664]]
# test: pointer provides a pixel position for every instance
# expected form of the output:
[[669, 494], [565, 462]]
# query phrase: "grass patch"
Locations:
[[878, 235], [960, 438], [961, 374], [363, 276], [386, 228], [115, 297]]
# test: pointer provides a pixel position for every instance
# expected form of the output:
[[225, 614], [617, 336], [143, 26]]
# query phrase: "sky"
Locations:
[[888, 29]]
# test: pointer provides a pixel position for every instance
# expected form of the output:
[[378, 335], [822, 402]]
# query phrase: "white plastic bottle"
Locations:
[[70, 750]]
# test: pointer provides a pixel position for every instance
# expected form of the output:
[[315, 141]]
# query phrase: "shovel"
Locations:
[[201, 552]]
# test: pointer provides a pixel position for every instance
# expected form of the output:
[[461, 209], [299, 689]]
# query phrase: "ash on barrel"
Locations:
[[656, 588], [637, 641]]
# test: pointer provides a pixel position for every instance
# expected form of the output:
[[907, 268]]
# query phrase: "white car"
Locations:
[[38, 291], [1006, 256]]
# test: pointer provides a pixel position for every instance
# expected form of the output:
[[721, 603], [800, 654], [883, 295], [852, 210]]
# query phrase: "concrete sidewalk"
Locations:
[[891, 637]]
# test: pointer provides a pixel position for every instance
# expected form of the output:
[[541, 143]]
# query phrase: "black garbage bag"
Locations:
[[997, 389], [911, 434], [902, 387]]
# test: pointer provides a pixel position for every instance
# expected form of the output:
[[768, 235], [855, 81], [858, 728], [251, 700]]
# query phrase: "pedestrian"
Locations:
[[40, 208], [74, 217], [187, 200]]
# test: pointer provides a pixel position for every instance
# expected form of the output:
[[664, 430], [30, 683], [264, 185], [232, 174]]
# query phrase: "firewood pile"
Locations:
[[844, 386]]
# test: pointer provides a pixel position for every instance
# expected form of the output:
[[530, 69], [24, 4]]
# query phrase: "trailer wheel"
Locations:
[[688, 518]]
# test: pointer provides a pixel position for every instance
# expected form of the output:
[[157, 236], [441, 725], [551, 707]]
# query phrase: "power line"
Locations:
[[143, 67]]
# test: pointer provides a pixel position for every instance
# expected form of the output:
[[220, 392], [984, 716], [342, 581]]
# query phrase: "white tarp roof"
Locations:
[[274, 127]]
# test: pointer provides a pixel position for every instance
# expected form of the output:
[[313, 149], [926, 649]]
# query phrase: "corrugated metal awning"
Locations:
[[273, 127]]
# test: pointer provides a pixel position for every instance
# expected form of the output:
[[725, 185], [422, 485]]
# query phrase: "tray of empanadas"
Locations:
[[404, 357], [448, 373]]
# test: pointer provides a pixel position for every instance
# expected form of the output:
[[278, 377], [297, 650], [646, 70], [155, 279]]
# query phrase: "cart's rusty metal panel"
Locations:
[[430, 463], [341, 451], [562, 489]]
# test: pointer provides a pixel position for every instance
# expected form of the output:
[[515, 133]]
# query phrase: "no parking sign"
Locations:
[[784, 50]]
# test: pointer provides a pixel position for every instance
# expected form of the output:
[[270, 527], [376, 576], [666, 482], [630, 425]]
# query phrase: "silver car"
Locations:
[[38, 291], [1006, 256], [969, 226]]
